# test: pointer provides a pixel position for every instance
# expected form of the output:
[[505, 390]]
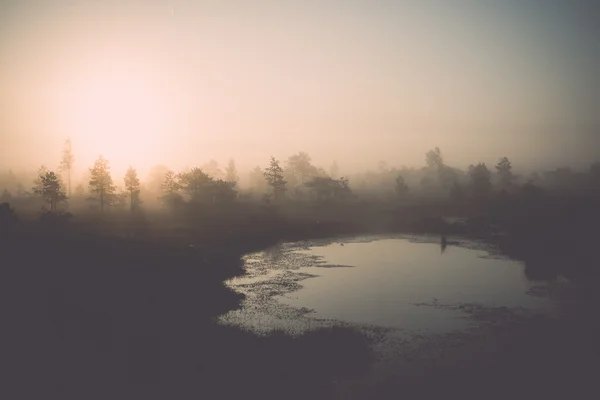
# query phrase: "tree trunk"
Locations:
[[101, 201], [131, 200]]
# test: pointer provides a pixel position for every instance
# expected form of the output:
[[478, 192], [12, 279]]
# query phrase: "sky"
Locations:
[[182, 82]]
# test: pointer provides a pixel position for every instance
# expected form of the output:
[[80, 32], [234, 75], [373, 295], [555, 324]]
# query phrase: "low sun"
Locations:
[[123, 118]]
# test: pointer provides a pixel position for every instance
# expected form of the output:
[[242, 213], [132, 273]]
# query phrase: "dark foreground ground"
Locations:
[[125, 310]]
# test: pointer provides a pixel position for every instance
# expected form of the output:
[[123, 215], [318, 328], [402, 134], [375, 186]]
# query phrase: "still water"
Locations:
[[388, 282]]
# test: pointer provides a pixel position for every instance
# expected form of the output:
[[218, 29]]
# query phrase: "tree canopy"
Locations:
[[101, 182], [274, 176], [48, 186], [132, 185]]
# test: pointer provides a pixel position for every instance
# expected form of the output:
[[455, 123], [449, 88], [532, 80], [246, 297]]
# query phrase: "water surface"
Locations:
[[392, 283]]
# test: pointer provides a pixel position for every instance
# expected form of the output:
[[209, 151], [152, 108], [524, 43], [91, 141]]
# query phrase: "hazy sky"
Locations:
[[181, 82]]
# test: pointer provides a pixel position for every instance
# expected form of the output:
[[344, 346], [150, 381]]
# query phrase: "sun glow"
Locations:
[[125, 118]]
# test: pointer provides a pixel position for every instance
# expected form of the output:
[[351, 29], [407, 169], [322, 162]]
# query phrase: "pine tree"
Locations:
[[132, 185], [274, 177], [101, 182], [49, 187]]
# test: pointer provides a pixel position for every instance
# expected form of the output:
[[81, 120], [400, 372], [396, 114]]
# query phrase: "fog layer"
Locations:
[[182, 82]]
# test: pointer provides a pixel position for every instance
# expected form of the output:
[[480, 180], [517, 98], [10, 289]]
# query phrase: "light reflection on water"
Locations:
[[393, 283]]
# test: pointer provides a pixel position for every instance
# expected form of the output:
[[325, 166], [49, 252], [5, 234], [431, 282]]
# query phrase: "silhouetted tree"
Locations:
[[67, 161], [504, 170], [401, 188], [223, 192], [132, 185], [434, 159], [299, 169], [101, 181], [274, 177], [170, 189], [212, 169], [447, 176], [37, 182], [481, 183], [49, 187], [435, 162], [197, 184], [342, 190], [325, 188], [119, 200], [231, 173]]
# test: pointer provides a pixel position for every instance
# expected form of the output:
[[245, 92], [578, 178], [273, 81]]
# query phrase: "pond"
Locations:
[[410, 284]]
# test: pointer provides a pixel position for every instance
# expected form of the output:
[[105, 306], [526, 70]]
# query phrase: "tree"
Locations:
[[118, 200], [132, 186], [197, 184], [504, 171], [325, 188], [37, 182], [231, 173], [223, 191], [49, 187], [101, 181], [67, 161], [274, 176], [299, 168], [434, 159], [401, 188], [170, 189], [212, 169], [481, 183]]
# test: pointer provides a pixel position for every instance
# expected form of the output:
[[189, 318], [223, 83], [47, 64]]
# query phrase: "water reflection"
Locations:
[[393, 283], [444, 244]]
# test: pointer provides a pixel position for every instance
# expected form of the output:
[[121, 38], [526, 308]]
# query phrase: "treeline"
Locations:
[[296, 179]]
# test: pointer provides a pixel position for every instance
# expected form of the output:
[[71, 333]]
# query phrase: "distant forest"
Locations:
[[295, 179]]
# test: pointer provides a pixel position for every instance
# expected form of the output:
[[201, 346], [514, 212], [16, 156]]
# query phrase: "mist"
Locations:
[[324, 199], [182, 82]]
